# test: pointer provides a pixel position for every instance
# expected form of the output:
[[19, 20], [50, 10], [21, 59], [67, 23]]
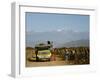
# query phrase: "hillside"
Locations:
[[77, 43]]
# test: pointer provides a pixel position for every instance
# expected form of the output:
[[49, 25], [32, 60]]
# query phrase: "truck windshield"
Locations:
[[42, 48]]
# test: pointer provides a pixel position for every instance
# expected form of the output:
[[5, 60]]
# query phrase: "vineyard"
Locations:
[[75, 55]]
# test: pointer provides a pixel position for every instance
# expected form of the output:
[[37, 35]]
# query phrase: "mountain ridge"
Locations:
[[77, 43]]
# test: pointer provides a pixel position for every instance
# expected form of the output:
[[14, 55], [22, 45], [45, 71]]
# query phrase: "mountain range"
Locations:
[[64, 38], [77, 43]]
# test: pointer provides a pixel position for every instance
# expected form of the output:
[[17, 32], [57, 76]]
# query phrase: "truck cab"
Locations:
[[43, 52]]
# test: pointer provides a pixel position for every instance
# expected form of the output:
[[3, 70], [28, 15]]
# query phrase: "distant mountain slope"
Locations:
[[59, 38], [77, 43]]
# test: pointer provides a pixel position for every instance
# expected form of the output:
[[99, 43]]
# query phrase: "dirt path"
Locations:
[[57, 62]]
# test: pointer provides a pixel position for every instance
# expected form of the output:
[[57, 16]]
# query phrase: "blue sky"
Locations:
[[43, 22]]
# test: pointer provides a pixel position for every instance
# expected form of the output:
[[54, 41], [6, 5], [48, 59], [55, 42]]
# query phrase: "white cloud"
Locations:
[[59, 30]]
